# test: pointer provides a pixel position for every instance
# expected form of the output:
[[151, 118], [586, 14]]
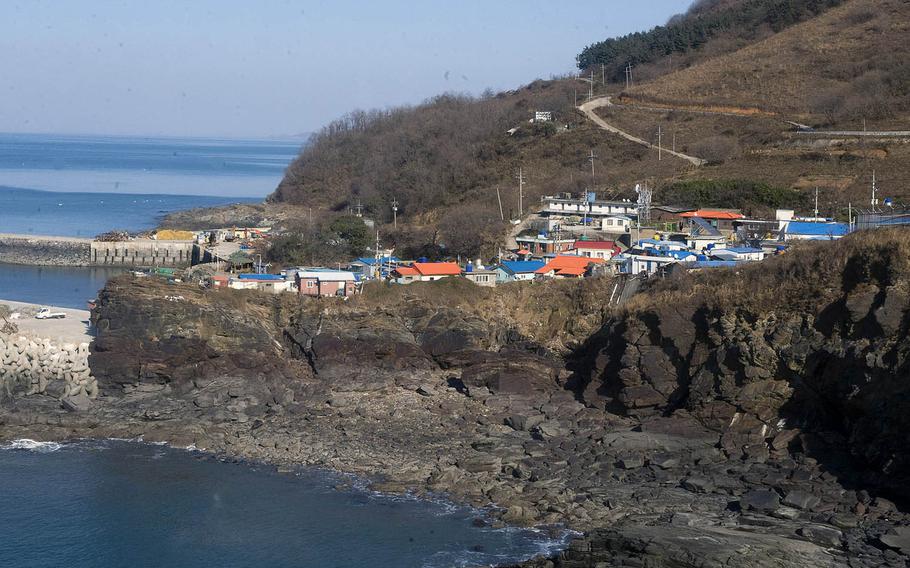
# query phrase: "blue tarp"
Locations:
[[260, 277]]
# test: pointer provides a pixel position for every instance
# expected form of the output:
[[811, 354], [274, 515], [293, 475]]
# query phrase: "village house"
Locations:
[[481, 276], [568, 267], [739, 254], [366, 267], [515, 270], [543, 244], [668, 213], [617, 224], [720, 219], [650, 261], [596, 249], [325, 282], [425, 272], [567, 209]]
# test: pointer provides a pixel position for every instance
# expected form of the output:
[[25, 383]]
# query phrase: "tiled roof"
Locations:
[[595, 245], [561, 263], [711, 214], [437, 268]]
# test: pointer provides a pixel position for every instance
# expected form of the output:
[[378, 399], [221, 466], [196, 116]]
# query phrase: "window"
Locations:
[[309, 283]]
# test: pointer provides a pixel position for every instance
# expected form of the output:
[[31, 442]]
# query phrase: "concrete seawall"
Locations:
[[48, 357], [47, 251], [73, 251]]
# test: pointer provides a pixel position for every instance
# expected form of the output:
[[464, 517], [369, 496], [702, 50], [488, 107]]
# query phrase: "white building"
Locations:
[[619, 224]]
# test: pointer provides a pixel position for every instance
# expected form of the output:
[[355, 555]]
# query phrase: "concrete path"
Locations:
[[588, 110], [74, 328]]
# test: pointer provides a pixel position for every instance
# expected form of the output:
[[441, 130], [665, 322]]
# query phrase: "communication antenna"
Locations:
[[395, 212], [358, 209], [644, 203]]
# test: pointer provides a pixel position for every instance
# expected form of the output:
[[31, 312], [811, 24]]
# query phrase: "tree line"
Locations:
[[692, 30]]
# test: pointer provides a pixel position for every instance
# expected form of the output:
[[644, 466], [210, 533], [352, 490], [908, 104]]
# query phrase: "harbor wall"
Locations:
[[146, 253], [46, 251], [72, 251]]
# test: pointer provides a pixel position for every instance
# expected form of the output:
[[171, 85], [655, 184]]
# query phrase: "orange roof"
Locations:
[[437, 268], [712, 214], [406, 271], [572, 263], [523, 252], [572, 271]]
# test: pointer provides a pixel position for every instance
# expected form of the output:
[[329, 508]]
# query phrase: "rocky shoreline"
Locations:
[[731, 420]]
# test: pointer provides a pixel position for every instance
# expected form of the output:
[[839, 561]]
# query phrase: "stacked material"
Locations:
[[31, 365]]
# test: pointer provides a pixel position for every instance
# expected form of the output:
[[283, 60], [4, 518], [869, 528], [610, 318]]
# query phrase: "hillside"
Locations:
[[841, 67], [707, 29], [443, 161]]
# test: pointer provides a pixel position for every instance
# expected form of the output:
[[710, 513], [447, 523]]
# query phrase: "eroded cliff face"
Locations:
[[806, 354], [750, 418]]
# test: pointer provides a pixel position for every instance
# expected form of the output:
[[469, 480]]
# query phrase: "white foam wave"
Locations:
[[32, 446]]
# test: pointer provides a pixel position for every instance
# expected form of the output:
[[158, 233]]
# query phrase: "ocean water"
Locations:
[[86, 185], [113, 503], [66, 287]]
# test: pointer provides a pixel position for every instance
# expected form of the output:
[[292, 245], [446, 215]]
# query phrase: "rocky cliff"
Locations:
[[753, 417]]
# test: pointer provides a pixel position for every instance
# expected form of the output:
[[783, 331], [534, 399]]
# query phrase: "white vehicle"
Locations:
[[46, 313]]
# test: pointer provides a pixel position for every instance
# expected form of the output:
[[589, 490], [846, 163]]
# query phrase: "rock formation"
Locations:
[[748, 417]]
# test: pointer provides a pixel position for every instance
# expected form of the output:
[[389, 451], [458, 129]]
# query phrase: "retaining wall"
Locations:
[[143, 252]]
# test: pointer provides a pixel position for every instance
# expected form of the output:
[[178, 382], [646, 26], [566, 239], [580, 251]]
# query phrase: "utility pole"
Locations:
[[873, 191], [816, 204], [850, 216], [659, 149], [499, 200], [395, 212], [377, 273], [603, 75], [521, 186], [593, 179], [629, 76], [591, 86]]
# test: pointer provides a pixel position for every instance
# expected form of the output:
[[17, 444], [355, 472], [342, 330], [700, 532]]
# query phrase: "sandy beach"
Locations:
[[74, 328]]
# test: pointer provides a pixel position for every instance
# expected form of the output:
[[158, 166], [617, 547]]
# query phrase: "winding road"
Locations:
[[588, 110]]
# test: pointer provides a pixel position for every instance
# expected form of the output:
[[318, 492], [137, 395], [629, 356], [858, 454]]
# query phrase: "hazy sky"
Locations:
[[270, 67]]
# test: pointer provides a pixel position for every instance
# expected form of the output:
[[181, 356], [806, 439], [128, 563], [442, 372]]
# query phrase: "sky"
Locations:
[[270, 68]]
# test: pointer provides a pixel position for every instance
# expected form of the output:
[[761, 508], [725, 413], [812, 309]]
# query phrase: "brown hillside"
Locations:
[[843, 66]]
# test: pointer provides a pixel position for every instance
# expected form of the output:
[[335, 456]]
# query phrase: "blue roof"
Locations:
[[522, 266], [817, 229], [678, 254], [370, 261], [260, 277]]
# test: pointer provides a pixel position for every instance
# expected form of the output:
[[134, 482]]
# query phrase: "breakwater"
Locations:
[[48, 251], [75, 251], [34, 365]]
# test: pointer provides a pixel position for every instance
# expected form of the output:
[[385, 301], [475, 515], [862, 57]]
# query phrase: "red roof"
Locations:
[[523, 252], [574, 265], [712, 214], [595, 245], [406, 271], [437, 268]]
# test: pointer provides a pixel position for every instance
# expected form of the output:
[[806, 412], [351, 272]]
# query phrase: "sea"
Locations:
[[122, 503], [82, 186]]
